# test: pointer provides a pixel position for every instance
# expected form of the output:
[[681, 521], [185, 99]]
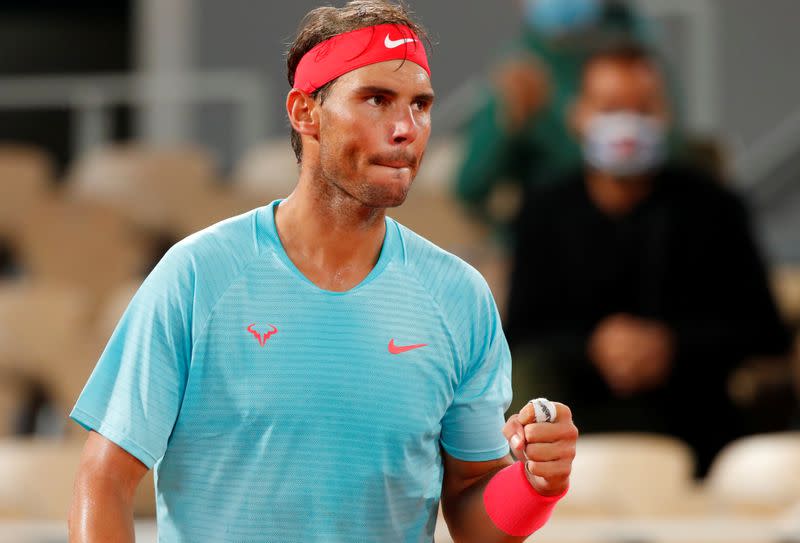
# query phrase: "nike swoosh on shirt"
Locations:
[[397, 349], [391, 44]]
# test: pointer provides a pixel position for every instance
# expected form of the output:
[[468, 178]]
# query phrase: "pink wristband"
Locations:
[[514, 505]]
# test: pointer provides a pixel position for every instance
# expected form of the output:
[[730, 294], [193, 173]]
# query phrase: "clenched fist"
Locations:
[[547, 448]]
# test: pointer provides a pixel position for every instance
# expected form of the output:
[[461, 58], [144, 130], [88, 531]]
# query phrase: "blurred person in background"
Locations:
[[318, 323], [518, 134], [637, 287]]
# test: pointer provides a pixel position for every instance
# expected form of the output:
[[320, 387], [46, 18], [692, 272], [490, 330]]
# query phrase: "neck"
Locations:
[[615, 196], [333, 238]]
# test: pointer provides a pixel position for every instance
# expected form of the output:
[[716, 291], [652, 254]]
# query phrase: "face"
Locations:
[[615, 86], [373, 129], [621, 117]]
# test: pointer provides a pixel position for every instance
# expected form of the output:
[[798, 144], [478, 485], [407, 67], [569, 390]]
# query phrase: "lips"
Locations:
[[395, 160]]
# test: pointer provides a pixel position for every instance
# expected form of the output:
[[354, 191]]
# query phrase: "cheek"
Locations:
[[339, 151], [425, 134], [346, 131], [350, 156], [359, 142]]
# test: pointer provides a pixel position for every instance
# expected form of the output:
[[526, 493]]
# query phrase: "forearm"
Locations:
[[467, 518], [100, 511]]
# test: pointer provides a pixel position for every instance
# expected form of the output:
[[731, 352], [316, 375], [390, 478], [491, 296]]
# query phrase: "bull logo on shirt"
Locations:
[[262, 338]]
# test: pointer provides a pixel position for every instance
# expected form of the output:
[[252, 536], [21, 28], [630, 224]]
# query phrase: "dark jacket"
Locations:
[[684, 256]]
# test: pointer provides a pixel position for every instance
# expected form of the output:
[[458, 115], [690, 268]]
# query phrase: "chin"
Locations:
[[390, 194], [383, 198], [385, 191]]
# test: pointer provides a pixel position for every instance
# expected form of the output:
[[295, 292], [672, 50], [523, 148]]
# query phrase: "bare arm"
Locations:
[[102, 502], [462, 500]]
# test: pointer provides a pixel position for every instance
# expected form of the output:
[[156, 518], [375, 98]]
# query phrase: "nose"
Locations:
[[405, 128]]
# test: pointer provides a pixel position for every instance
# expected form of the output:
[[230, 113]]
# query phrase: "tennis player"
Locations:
[[313, 371]]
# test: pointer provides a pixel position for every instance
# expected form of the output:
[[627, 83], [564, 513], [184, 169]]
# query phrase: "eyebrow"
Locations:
[[372, 89]]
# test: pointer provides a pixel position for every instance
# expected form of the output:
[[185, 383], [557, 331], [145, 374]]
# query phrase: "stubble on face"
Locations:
[[341, 173]]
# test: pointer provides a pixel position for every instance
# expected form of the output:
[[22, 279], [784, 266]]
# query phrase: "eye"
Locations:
[[422, 105], [376, 100]]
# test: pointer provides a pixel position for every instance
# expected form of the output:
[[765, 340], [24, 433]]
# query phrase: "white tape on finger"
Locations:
[[544, 410]]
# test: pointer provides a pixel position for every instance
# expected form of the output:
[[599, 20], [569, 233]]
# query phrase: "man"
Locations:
[[637, 287], [312, 370], [518, 132]]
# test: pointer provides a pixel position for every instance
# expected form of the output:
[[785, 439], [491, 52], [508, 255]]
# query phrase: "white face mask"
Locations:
[[624, 144]]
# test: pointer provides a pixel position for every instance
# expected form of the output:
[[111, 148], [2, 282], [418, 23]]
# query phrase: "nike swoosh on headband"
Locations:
[[391, 44]]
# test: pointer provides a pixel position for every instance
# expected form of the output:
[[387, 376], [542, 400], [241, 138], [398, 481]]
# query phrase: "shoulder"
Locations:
[[233, 237], [233, 241], [461, 295], [693, 189], [212, 256], [447, 278]]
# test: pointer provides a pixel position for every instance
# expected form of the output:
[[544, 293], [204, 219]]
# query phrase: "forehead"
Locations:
[[613, 76], [397, 75]]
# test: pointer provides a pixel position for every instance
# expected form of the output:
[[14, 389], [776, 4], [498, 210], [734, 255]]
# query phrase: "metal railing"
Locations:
[[91, 98]]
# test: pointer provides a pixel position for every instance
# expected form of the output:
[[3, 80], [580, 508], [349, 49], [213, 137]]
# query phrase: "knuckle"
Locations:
[[568, 432], [571, 433], [567, 410]]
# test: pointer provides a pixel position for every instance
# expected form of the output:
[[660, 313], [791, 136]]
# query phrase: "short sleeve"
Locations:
[[135, 391], [472, 427]]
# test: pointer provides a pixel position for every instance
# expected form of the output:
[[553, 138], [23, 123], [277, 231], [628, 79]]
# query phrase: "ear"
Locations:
[[301, 109]]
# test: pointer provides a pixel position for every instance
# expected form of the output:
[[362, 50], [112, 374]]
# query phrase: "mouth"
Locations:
[[396, 160], [395, 165]]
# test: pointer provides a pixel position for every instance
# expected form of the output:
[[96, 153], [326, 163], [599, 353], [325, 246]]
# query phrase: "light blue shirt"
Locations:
[[275, 411]]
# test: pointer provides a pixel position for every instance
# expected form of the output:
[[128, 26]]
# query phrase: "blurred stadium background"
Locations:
[[127, 125]]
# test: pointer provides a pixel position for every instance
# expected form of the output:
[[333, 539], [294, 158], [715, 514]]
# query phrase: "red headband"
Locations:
[[346, 52]]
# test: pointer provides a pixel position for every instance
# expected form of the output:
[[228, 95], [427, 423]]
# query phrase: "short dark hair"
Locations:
[[625, 52], [326, 22]]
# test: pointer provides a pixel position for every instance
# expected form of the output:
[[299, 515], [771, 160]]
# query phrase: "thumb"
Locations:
[[515, 433], [518, 444]]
